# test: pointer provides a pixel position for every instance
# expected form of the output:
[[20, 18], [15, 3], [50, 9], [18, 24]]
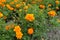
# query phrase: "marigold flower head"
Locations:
[[49, 5], [23, 3], [7, 27], [25, 7], [15, 0], [19, 35], [12, 2], [17, 29], [2, 0], [9, 7], [30, 17], [30, 31], [1, 15], [42, 6], [29, 5], [3, 5], [52, 13], [18, 5], [57, 2]]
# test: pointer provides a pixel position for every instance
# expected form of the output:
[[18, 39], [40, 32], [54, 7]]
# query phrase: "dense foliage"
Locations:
[[28, 19]]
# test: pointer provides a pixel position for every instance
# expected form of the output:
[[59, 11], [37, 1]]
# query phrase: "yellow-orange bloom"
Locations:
[[30, 31], [15, 0], [25, 7], [19, 35], [30, 17], [23, 3], [57, 2], [17, 29], [52, 13], [1, 15], [9, 7], [42, 6], [49, 5], [2, 0], [29, 5], [7, 27], [18, 5], [11, 2], [3, 5]]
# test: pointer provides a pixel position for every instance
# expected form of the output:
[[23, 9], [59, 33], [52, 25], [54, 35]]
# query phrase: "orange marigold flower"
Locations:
[[29, 17], [11, 2], [2, 0], [57, 2], [7, 27], [30, 31], [17, 29], [19, 35], [52, 13], [42, 6], [1, 15], [23, 3], [3, 5], [9, 7]]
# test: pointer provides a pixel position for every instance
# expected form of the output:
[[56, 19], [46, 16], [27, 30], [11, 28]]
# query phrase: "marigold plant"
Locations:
[[29, 19]]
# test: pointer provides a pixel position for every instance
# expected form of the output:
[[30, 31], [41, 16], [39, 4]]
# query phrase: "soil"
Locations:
[[54, 34]]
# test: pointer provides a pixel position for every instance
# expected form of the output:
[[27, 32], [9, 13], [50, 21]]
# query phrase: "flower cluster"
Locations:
[[19, 34], [28, 19]]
